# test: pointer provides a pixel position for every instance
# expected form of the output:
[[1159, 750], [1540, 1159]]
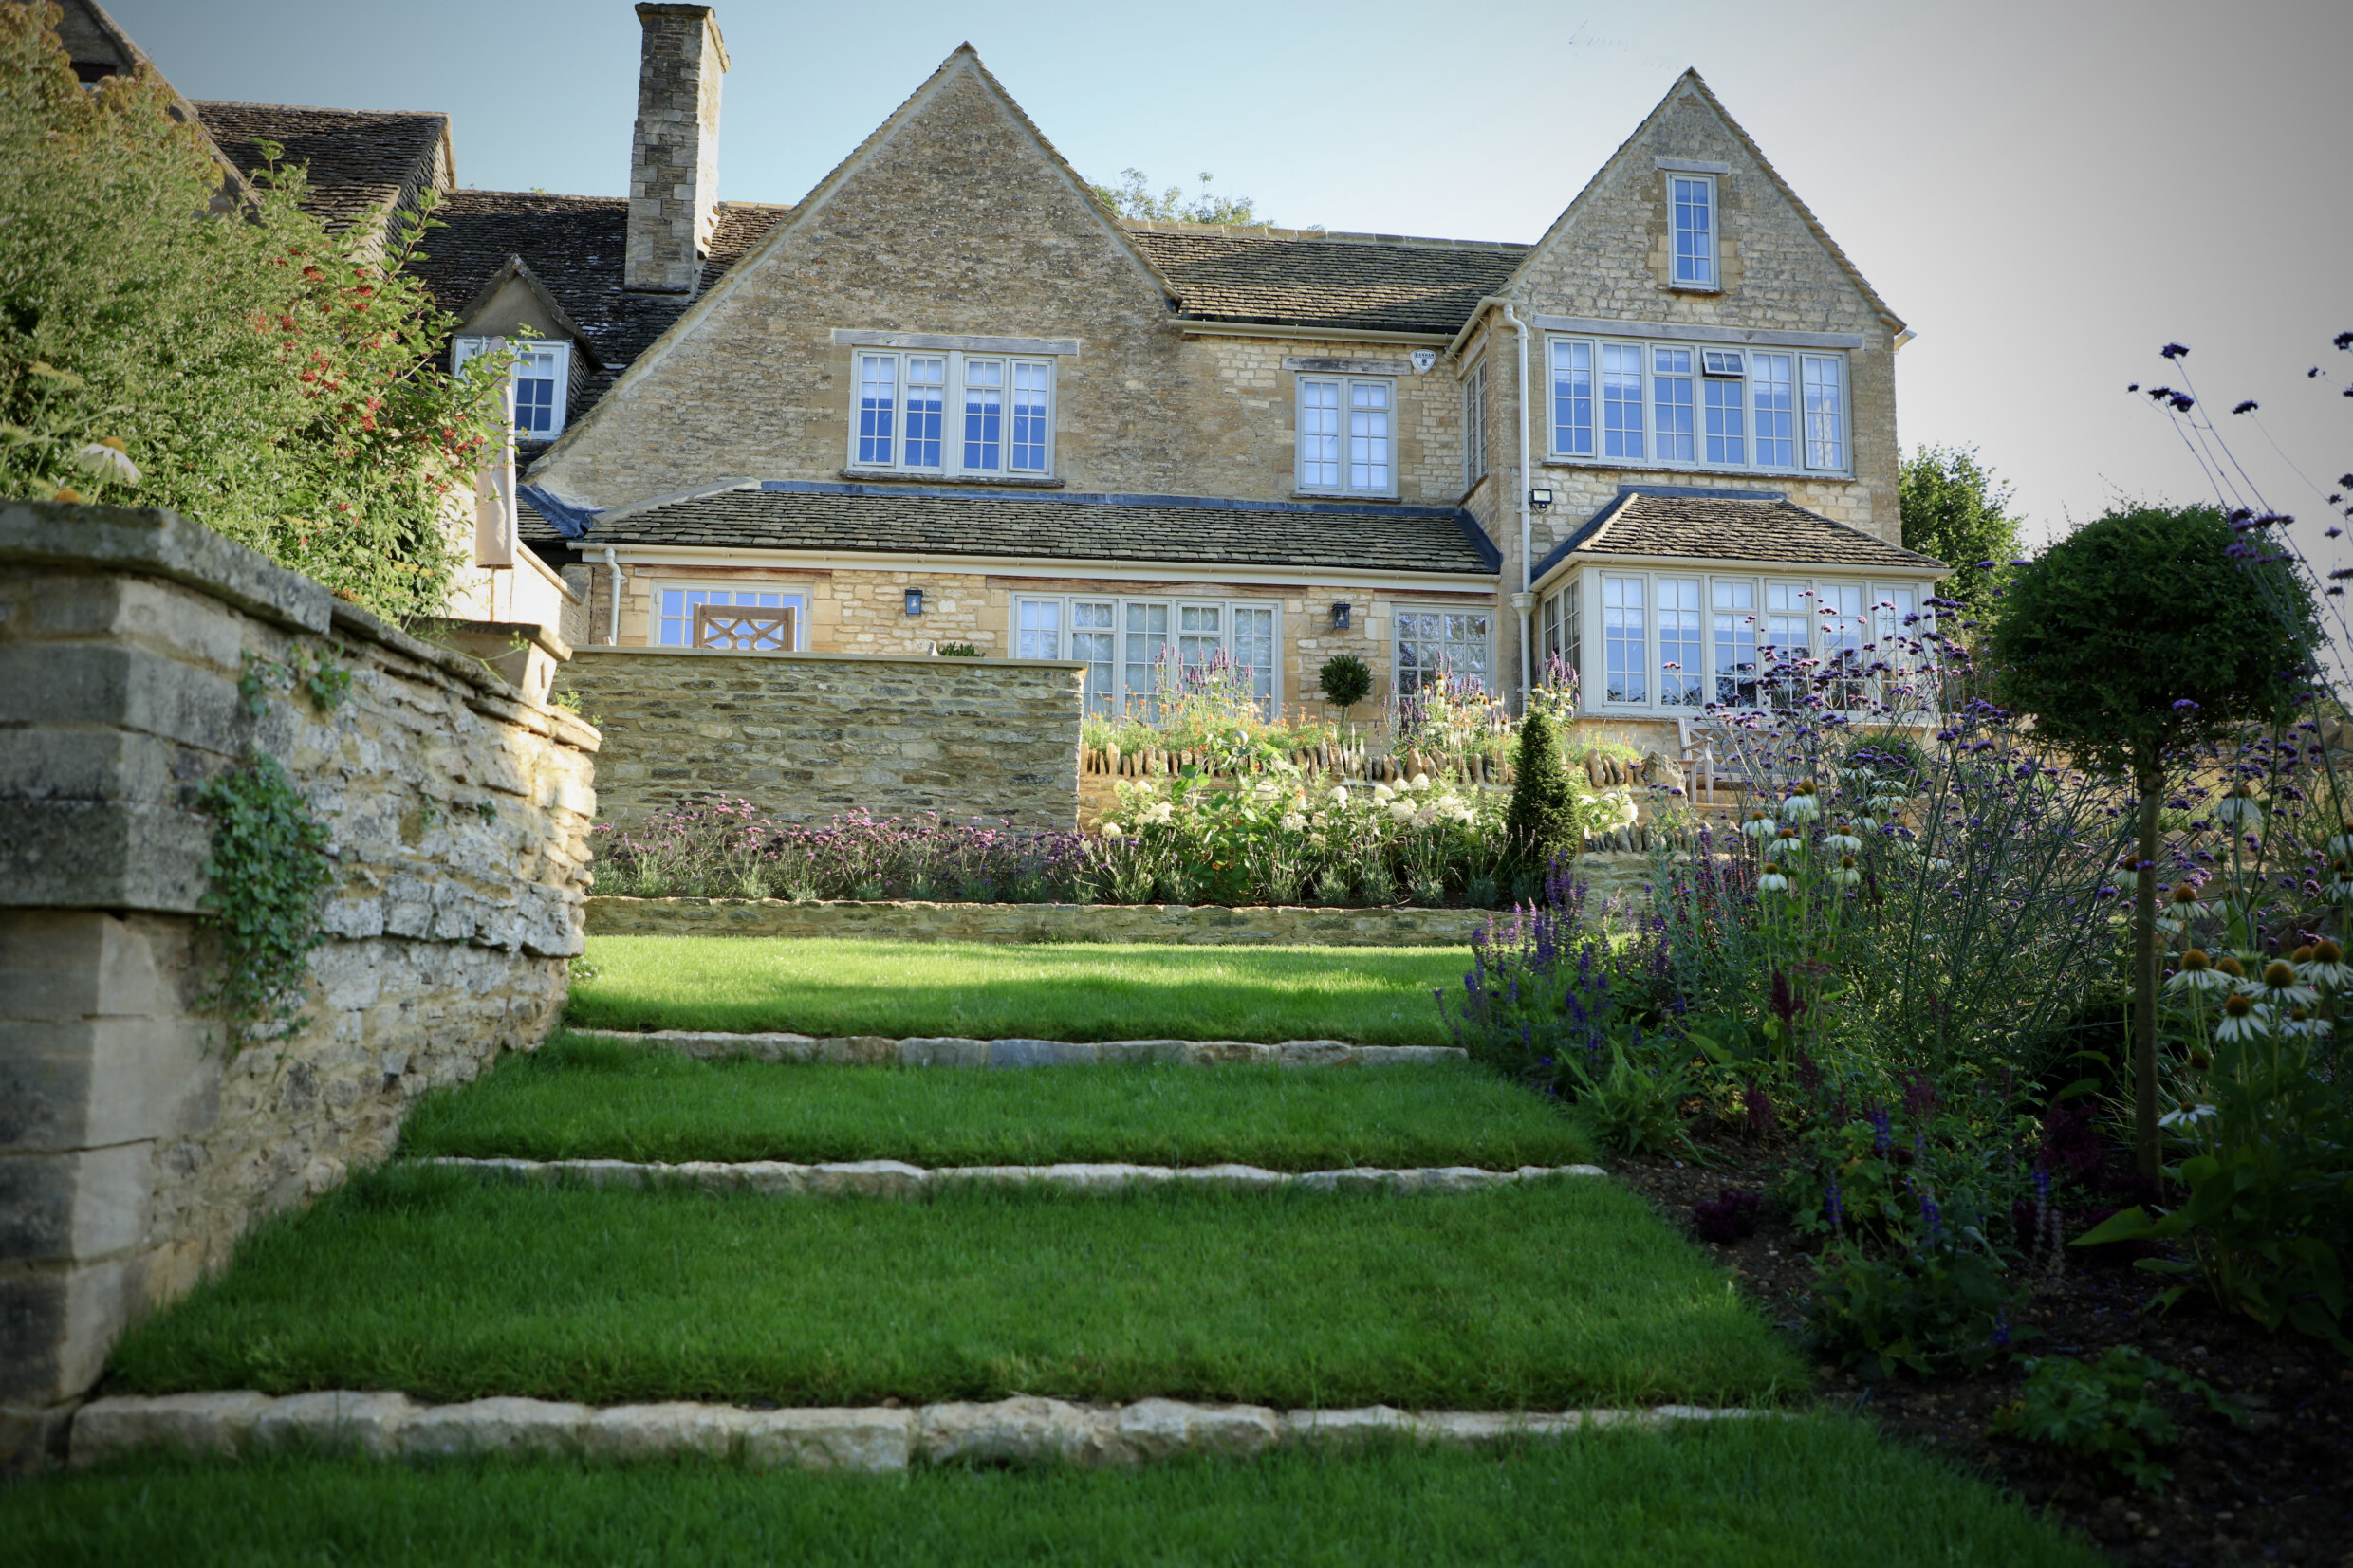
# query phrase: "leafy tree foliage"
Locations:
[[1955, 510], [2144, 633], [1133, 198], [1540, 822], [1345, 680], [166, 341]]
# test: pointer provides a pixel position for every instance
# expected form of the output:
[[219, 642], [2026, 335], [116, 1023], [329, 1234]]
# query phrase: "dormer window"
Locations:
[[1694, 199], [542, 378], [954, 414]]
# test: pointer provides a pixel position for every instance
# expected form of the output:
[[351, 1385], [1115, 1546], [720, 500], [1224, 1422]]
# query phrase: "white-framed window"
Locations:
[[1671, 642], [1693, 197], [1436, 645], [1702, 407], [1474, 425], [1347, 435], [542, 381], [1125, 643], [675, 603], [953, 413]]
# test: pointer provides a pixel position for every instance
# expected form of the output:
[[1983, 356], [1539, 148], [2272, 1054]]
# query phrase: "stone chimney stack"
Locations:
[[673, 163]]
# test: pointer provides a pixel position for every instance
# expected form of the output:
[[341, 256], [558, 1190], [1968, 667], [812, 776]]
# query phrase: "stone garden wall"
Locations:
[[808, 737], [138, 1135]]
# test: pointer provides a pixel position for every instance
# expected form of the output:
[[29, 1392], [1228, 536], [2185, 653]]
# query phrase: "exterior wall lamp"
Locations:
[[1540, 498], [915, 601], [1340, 617]]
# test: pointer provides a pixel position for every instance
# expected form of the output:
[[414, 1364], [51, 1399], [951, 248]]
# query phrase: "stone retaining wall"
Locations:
[[139, 1137], [808, 737], [1197, 925]]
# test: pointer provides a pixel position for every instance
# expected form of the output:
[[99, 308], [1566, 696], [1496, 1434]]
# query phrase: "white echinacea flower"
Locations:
[[2326, 968], [1846, 873], [1843, 839], [1786, 846], [2198, 973], [2189, 1114], [2280, 986], [2239, 809], [109, 461], [1772, 881], [2241, 1017], [1760, 827], [1802, 807]]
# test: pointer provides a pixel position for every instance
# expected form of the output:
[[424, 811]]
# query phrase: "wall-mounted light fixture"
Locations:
[[1340, 618], [1540, 498], [915, 601]]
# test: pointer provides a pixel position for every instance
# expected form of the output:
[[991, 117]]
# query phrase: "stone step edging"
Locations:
[[956, 1051], [912, 920], [1020, 1430], [895, 1179]]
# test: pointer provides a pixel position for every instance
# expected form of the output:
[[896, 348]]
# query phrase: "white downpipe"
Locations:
[[612, 634], [1521, 599]]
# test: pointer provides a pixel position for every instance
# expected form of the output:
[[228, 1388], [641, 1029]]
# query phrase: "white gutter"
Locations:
[[1524, 600], [1052, 568], [612, 636]]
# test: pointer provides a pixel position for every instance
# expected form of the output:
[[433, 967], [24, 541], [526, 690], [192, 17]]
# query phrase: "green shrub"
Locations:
[[1345, 680], [229, 359], [1541, 824], [2115, 1410]]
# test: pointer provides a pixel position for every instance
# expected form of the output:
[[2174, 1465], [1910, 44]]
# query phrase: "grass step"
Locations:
[[1544, 1295], [1821, 1492], [240, 1424], [1379, 996], [591, 1098], [897, 1179]]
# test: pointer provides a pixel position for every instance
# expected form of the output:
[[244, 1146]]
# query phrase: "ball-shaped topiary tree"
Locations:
[[1541, 821], [2144, 633], [1346, 680]]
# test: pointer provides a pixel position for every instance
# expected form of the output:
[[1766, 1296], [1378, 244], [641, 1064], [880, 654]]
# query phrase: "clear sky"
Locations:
[[2045, 191]]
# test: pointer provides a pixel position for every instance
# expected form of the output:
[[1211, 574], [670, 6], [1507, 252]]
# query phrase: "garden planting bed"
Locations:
[[2278, 1489]]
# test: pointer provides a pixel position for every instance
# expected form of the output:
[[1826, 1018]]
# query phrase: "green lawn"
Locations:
[[587, 1098], [1376, 996], [453, 1286], [1813, 1493]]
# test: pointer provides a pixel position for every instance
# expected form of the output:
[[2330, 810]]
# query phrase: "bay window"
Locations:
[[953, 414], [1626, 640], [1698, 406]]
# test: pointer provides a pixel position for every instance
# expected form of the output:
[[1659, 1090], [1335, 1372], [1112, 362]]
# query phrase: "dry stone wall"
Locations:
[[138, 1135], [808, 737]]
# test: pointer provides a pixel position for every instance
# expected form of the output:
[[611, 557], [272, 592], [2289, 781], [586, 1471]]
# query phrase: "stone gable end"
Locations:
[[953, 219]]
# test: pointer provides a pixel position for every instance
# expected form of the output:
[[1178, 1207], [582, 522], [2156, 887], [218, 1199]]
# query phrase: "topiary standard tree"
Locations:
[[1346, 680], [1540, 822], [2144, 633]]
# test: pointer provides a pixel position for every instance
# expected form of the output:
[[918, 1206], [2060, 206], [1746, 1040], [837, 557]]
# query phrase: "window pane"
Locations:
[[984, 416], [1622, 401], [1474, 425], [1030, 417], [1368, 435], [878, 387], [1434, 645], [1682, 675], [1626, 640], [1826, 414], [1695, 231], [1776, 444], [1843, 626], [927, 396], [1572, 399], [1726, 435], [1671, 399], [1092, 639], [1734, 609], [1200, 635], [1319, 435], [1147, 641], [1253, 653], [1040, 629]]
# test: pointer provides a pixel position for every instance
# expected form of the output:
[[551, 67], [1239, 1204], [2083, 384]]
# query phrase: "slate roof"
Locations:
[[1290, 278], [786, 515], [361, 162], [574, 245], [1730, 526]]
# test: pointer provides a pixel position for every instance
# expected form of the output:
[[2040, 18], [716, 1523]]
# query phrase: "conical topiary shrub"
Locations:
[[1542, 820]]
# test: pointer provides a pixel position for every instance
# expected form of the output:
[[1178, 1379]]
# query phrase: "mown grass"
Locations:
[[584, 1098], [455, 1286], [1821, 1492], [1378, 996]]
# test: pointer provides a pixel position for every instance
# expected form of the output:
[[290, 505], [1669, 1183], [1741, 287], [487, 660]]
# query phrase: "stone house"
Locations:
[[946, 396]]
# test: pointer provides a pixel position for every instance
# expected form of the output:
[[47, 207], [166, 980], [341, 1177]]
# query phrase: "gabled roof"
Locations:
[[362, 163], [515, 269], [1301, 278], [1806, 215], [1749, 526], [574, 248], [1167, 530]]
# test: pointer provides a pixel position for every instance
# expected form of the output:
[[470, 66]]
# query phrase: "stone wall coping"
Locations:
[[957, 1051], [163, 544], [1024, 1430], [532, 632], [897, 1179], [932, 660]]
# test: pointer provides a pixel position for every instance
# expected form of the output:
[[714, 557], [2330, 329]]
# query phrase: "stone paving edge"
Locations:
[[897, 1179], [957, 1051]]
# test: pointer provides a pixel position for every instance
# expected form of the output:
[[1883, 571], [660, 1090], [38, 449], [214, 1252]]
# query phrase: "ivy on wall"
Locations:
[[268, 867]]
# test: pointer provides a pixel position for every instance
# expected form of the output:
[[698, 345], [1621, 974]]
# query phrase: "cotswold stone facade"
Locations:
[[947, 371], [138, 1135], [810, 736]]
